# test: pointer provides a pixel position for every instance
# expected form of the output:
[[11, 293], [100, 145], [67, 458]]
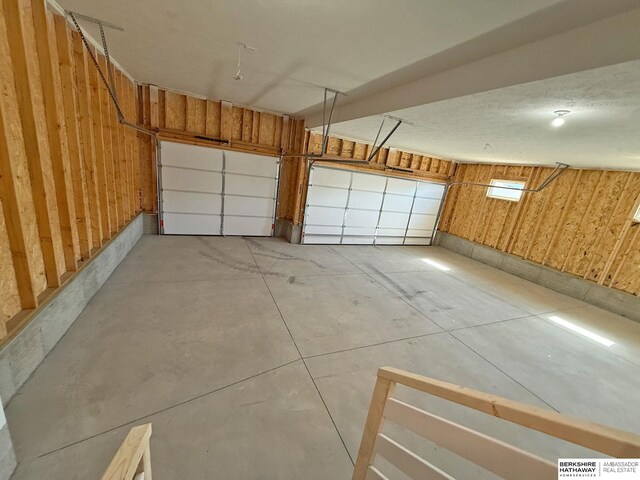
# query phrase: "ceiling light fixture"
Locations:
[[559, 120]]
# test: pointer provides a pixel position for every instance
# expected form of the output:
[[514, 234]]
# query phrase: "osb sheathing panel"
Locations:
[[581, 223], [626, 272], [596, 217], [186, 118], [550, 217], [349, 149], [9, 295], [175, 111], [77, 117], [568, 229]]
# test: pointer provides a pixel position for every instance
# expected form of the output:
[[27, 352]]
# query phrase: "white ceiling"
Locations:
[[189, 45], [602, 130], [466, 72]]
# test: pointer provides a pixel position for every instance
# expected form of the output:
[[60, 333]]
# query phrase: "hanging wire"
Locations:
[[95, 62], [110, 87]]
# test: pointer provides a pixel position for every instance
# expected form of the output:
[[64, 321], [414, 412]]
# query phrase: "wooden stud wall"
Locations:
[[580, 224], [183, 118], [417, 166], [68, 179], [414, 164]]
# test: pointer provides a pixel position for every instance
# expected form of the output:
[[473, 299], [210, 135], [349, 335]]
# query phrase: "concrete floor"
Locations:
[[255, 359]]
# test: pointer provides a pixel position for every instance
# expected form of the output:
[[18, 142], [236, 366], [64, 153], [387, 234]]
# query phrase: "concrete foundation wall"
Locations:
[[22, 355], [286, 229], [7, 456], [610, 299], [150, 223]]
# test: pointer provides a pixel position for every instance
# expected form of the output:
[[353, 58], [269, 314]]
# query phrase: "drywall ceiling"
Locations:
[[189, 45], [467, 72], [512, 125]]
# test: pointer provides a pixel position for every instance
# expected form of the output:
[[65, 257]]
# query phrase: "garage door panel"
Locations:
[[195, 191], [325, 215], [259, 207], [401, 187], [361, 218], [330, 178], [430, 190], [379, 209], [252, 226], [426, 205], [364, 181], [329, 197], [393, 220], [426, 222], [360, 231], [392, 240], [367, 200], [191, 180], [189, 202], [239, 185], [321, 240], [190, 156], [358, 240], [250, 164], [417, 241], [397, 203], [180, 223], [324, 229]]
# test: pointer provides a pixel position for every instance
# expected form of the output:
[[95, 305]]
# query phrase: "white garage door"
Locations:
[[349, 207], [207, 191]]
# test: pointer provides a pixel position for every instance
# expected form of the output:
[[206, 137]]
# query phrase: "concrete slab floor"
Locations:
[[255, 358]]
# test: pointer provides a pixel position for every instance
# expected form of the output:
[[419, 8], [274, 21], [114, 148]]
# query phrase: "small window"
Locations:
[[506, 189], [636, 216]]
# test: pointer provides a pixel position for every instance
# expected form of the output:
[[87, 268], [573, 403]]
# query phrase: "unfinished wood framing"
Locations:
[[57, 177], [180, 117], [580, 224], [183, 118]]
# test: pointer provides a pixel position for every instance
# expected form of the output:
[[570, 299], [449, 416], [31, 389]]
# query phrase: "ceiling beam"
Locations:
[[611, 40]]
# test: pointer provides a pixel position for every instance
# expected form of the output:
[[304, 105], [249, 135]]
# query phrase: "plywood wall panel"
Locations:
[[580, 223], [72, 114], [105, 150], [15, 186], [196, 115], [616, 226], [212, 127], [559, 191], [175, 110], [56, 126], [626, 276], [51, 125], [576, 211], [596, 217], [9, 294], [91, 140], [266, 129], [26, 71]]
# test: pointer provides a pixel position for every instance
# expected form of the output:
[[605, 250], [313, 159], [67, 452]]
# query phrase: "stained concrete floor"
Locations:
[[256, 359]]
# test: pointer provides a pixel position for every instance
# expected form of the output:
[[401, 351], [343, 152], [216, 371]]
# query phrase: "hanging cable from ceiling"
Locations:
[[110, 85], [241, 48]]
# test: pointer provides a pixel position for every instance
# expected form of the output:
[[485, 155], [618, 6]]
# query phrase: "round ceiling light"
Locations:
[[559, 120]]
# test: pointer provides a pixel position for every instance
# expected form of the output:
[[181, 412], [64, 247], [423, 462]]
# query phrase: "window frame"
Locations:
[[493, 186], [635, 216]]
